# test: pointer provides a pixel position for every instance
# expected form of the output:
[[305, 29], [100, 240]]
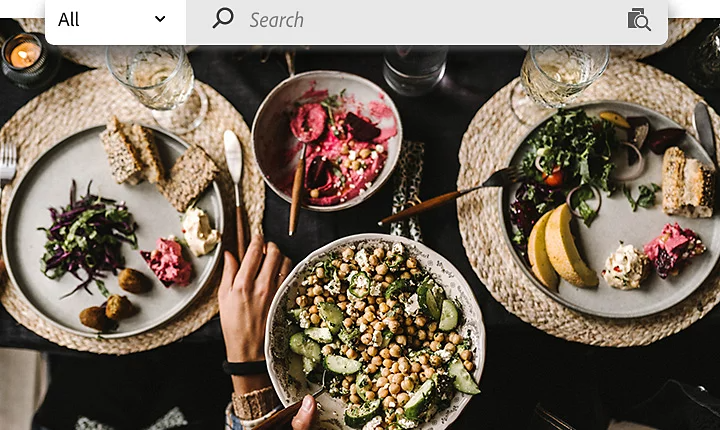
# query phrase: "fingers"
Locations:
[[270, 267], [251, 263], [285, 270], [304, 418], [230, 269]]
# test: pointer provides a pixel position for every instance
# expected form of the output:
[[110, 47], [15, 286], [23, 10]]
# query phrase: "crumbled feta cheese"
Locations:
[[374, 155], [412, 307], [352, 156], [398, 248], [361, 282], [444, 355], [379, 148], [304, 319], [363, 327], [406, 423], [391, 404], [373, 423], [333, 287], [361, 258], [376, 289], [377, 338]]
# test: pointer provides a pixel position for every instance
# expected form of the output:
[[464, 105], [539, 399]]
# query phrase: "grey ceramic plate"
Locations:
[[616, 222], [47, 183], [285, 368]]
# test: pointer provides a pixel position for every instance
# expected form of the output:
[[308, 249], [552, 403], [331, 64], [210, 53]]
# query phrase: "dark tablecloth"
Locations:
[[523, 363]]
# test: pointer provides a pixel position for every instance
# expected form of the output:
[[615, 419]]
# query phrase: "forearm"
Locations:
[[247, 384]]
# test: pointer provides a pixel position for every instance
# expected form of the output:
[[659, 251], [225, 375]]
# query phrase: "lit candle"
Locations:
[[25, 55]]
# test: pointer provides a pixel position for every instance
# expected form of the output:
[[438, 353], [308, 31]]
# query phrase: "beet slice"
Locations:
[[308, 122], [361, 129], [320, 176], [660, 140]]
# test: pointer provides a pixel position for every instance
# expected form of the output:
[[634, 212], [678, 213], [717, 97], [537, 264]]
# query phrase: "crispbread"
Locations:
[[688, 186], [121, 154], [144, 141], [188, 178]]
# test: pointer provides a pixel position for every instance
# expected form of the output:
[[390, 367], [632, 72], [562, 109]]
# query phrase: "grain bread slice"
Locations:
[[121, 154], [143, 140], [188, 178], [688, 186]]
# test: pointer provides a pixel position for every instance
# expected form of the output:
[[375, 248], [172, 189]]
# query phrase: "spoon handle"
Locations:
[[241, 236], [297, 189], [281, 417]]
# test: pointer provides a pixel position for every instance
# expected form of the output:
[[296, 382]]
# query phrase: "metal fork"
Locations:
[[501, 178], [8, 164]]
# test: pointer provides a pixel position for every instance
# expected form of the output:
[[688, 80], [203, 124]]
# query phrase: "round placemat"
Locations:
[[678, 28], [488, 145], [87, 100]]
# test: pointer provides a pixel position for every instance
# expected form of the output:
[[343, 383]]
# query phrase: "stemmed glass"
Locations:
[[553, 76], [162, 79]]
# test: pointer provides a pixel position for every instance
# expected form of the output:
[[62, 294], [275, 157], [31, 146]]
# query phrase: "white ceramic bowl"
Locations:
[[277, 331], [271, 136]]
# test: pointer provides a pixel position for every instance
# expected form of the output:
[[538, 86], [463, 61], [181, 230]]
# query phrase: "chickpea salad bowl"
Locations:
[[392, 325]]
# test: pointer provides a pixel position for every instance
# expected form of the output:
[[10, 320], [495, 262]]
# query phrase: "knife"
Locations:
[[704, 128], [234, 159]]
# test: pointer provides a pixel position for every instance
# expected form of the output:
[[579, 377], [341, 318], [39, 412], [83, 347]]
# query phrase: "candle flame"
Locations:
[[23, 55]]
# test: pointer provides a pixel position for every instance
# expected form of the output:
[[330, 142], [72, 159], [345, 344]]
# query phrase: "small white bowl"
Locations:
[[271, 135], [277, 330]]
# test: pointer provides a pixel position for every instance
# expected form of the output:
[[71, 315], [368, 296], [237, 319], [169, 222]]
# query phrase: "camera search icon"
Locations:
[[638, 19]]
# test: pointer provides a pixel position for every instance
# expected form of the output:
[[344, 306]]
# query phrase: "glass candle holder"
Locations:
[[29, 61]]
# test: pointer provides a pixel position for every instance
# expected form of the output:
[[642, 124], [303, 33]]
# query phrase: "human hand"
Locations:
[[245, 295], [305, 416]]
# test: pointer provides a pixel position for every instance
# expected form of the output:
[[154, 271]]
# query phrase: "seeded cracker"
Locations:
[[121, 154], [188, 178]]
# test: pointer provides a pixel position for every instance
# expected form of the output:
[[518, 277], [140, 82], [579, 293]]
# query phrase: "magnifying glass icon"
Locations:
[[219, 16], [645, 19]]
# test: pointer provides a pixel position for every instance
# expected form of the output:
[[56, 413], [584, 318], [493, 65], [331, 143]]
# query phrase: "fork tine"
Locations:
[[3, 153], [14, 154]]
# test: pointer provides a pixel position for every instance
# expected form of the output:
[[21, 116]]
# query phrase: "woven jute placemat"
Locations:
[[489, 143], [678, 28], [88, 100]]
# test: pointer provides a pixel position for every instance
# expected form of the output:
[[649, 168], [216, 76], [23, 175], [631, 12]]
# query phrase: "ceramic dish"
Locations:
[[616, 222], [81, 157], [272, 138], [277, 334]]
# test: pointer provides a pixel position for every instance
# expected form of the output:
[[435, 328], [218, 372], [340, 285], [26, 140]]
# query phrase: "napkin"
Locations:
[[407, 178]]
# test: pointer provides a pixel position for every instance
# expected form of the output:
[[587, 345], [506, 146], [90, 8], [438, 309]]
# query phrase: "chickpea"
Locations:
[[378, 278], [370, 395], [469, 365], [387, 401], [390, 278], [379, 252], [405, 275], [364, 153], [393, 326], [434, 345], [408, 321], [404, 367], [432, 327], [345, 399], [346, 384], [423, 359], [411, 263], [395, 351], [421, 335], [360, 305], [450, 347], [415, 272], [423, 378], [323, 324], [343, 349], [327, 350], [344, 268], [348, 322], [455, 338], [313, 309], [385, 353], [370, 317], [394, 389], [379, 300], [343, 305], [315, 319], [312, 279], [381, 269], [371, 368], [301, 301], [341, 298], [317, 290], [329, 299], [435, 361], [385, 372], [372, 351], [362, 320], [420, 321], [348, 254], [351, 353], [399, 411], [318, 300], [466, 355], [403, 398], [426, 344], [439, 337], [415, 367], [396, 378], [383, 393], [401, 340], [429, 372], [320, 272], [411, 330], [355, 399], [366, 338], [371, 300], [387, 363], [376, 361], [407, 384]]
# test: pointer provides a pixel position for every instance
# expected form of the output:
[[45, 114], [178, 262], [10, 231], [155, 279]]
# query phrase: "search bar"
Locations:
[[372, 22]]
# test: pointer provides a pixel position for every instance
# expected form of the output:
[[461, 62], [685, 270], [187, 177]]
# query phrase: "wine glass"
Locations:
[[553, 76], [162, 79]]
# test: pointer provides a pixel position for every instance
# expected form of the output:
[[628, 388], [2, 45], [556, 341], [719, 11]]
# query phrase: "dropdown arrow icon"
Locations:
[[160, 18]]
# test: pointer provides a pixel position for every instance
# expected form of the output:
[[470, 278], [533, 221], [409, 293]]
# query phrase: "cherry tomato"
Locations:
[[555, 179]]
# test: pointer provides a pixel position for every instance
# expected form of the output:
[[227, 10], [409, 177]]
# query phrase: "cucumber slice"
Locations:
[[358, 417], [342, 365], [332, 315], [406, 423], [430, 298], [463, 382], [295, 314], [309, 364], [319, 334], [301, 345], [348, 337], [362, 383], [420, 400], [387, 337], [449, 316], [359, 285], [394, 288]]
